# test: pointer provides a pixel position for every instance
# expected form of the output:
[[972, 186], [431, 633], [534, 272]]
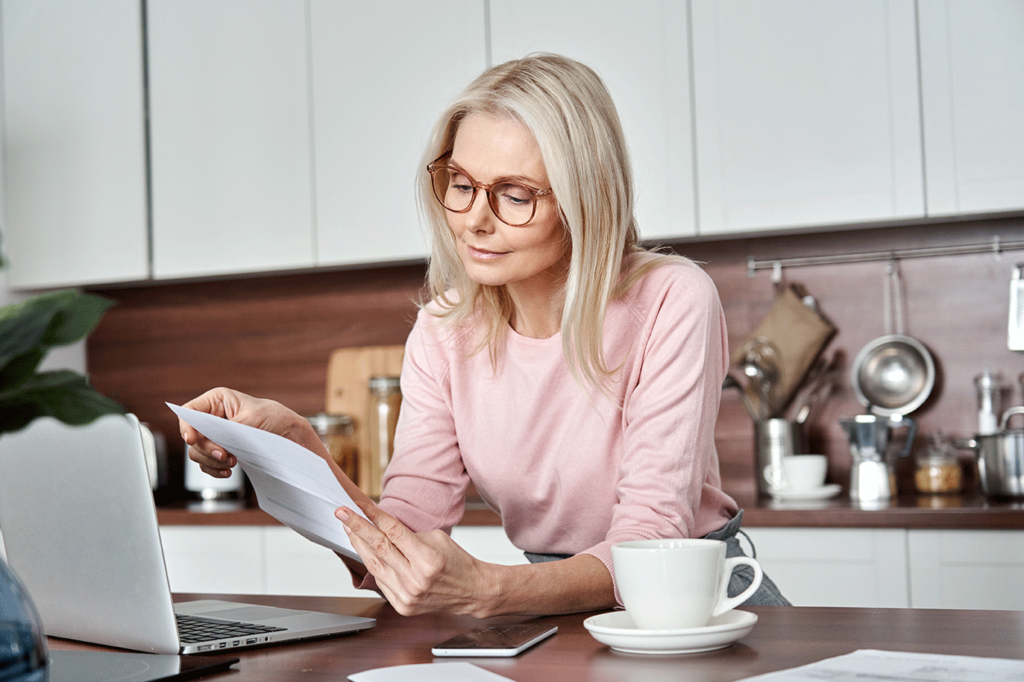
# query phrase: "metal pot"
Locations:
[[1001, 459]]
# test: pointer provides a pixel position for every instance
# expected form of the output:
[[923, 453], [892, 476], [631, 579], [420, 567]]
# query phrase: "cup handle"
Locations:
[[727, 603], [774, 475]]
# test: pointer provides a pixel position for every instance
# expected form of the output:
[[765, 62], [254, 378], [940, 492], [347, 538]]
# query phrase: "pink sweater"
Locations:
[[568, 469]]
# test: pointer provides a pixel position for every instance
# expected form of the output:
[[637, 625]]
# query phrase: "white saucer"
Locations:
[[822, 493], [616, 629]]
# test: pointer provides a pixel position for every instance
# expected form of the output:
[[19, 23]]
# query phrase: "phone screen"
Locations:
[[495, 640]]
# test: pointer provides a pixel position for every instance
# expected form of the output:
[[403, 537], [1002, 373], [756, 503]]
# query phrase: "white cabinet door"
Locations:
[[74, 146], [382, 74], [230, 136], [836, 566], [298, 566], [215, 559], [807, 113], [489, 543], [972, 82], [640, 50], [977, 569]]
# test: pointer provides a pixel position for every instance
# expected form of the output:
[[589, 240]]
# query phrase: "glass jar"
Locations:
[[385, 402], [337, 433], [938, 468]]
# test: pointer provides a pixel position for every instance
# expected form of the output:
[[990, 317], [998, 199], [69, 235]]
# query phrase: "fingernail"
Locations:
[[342, 515], [217, 455]]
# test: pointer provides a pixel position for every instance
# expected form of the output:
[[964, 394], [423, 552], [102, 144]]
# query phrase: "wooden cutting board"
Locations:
[[348, 391]]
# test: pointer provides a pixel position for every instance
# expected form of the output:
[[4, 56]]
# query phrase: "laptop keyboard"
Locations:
[[195, 629]]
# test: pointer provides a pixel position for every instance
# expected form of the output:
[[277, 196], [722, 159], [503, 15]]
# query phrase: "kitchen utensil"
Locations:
[[808, 385], [731, 381], [774, 440], [1001, 458], [893, 374], [992, 391], [819, 390], [761, 366], [873, 472], [1015, 333], [798, 333]]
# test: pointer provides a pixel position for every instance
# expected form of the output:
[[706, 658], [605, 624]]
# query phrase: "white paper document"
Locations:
[[292, 484], [869, 665], [429, 672]]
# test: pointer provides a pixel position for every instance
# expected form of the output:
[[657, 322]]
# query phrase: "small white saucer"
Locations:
[[616, 629], [822, 493]]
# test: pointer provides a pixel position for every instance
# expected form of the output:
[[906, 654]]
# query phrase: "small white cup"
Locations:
[[798, 472], [672, 584]]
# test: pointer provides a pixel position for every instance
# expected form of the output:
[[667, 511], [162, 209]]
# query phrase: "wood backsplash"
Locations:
[[272, 335]]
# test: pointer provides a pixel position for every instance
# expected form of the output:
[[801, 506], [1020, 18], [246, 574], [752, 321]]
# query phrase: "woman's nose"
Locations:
[[480, 218]]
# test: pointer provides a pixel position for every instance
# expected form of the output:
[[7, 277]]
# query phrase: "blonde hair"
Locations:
[[567, 108]]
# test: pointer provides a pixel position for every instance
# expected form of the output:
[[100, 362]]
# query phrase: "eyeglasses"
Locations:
[[513, 203]]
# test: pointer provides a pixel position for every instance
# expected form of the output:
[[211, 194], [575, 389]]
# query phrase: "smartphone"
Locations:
[[495, 640]]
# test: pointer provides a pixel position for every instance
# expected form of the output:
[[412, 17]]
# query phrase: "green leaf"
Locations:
[[15, 417], [20, 369], [22, 328], [54, 319], [76, 319], [62, 394], [27, 330]]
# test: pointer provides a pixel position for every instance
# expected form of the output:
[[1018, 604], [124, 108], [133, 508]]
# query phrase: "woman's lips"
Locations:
[[483, 254]]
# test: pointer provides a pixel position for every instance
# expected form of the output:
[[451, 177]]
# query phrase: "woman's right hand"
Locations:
[[235, 406]]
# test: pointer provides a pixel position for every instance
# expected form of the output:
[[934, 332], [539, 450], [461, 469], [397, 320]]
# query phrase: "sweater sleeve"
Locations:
[[425, 483], [669, 466]]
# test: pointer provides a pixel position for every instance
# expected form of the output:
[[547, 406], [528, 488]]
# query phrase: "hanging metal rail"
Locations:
[[995, 247]]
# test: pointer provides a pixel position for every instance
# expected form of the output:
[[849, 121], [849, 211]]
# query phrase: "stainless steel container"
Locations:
[[1001, 459], [774, 439]]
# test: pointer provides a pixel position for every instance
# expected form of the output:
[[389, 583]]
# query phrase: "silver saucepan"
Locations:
[[1001, 458]]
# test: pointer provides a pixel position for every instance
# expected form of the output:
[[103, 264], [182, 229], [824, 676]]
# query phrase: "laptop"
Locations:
[[80, 529]]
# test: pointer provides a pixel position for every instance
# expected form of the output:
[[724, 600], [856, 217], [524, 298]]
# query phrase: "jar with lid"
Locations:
[[385, 402], [337, 433], [938, 468]]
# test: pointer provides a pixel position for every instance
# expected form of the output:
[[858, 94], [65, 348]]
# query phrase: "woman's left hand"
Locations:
[[418, 572]]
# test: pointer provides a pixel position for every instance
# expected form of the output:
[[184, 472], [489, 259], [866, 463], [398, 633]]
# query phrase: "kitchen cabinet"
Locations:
[[641, 51], [229, 136], [74, 143], [956, 569], [221, 559], [862, 567], [972, 89], [382, 73], [277, 560], [806, 113]]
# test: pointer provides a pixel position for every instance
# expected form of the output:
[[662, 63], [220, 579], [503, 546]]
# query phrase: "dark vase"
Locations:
[[22, 646]]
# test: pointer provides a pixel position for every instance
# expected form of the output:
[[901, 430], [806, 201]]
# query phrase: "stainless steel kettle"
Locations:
[[873, 473]]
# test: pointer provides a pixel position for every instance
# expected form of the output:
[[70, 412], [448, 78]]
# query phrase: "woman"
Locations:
[[572, 376]]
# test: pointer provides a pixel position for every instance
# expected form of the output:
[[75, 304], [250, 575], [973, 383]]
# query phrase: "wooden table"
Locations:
[[784, 637]]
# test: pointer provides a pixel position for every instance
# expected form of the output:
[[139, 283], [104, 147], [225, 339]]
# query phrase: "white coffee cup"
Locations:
[[798, 472], [672, 584]]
